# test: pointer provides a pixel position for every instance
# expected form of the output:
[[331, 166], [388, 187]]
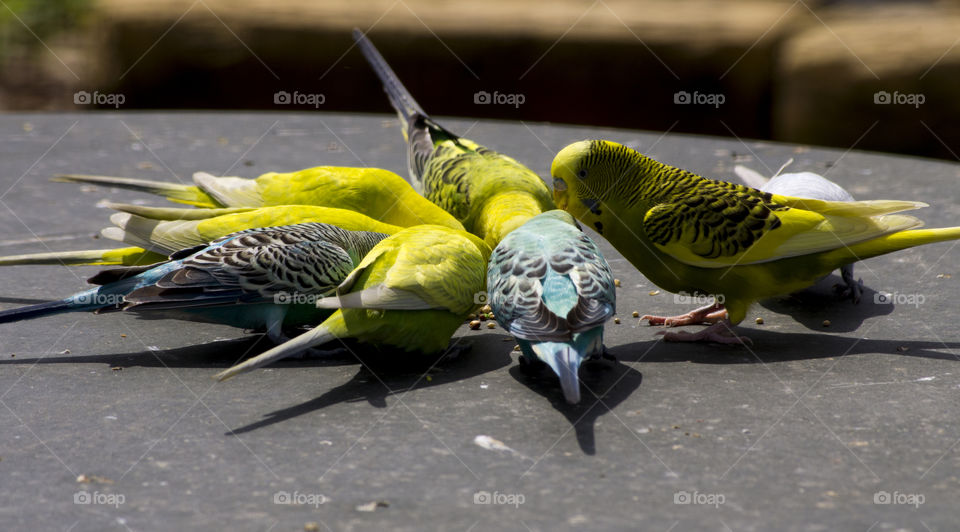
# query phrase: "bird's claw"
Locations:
[[851, 290], [719, 332]]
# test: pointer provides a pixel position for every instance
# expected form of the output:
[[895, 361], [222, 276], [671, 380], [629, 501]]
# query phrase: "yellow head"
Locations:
[[585, 173]]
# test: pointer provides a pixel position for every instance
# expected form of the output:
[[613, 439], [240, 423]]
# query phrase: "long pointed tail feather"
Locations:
[[175, 192], [173, 213], [400, 98], [88, 300], [130, 256], [320, 334], [896, 242], [35, 311]]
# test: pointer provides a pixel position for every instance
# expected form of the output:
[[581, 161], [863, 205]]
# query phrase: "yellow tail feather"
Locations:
[[174, 192], [897, 241], [131, 256]]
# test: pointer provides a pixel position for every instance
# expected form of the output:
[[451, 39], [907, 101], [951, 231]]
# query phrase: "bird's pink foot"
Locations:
[[720, 332], [709, 314]]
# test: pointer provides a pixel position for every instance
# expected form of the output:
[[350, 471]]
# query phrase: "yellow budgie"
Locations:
[[690, 234], [159, 231], [377, 193], [411, 292]]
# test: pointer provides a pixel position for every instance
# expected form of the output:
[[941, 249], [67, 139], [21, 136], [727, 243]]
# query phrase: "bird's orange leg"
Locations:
[[709, 314], [720, 332]]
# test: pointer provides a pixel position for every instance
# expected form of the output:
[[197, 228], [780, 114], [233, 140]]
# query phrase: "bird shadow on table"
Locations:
[[810, 306], [215, 354], [773, 346], [383, 375], [604, 384]]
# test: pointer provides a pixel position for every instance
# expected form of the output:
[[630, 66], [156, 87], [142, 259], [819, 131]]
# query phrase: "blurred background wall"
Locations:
[[870, 75]]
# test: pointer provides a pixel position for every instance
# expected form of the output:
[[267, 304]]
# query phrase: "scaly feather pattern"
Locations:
[[410, 292], [690, 234], [551, 288], [258, 278]]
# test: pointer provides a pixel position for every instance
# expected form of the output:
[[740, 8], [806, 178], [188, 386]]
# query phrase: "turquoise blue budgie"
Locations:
[[262, 279], [379, 194], [550, 287], [411, 292], [690, 234], [160, 231], [806, 185], [490, 193]]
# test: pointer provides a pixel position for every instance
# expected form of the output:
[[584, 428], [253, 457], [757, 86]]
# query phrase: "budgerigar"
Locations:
[[492, 194], [263, 279], [805, 185], [411, 292], [377, 193], [160, 231], [690, 234], [551, 288]]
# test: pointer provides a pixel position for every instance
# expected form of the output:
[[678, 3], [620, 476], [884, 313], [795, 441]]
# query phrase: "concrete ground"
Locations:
[[113, 423]]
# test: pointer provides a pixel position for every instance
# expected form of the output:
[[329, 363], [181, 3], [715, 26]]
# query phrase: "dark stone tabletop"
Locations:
[[850, 426]]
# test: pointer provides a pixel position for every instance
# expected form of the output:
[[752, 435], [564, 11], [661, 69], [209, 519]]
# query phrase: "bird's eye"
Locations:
[[582, 173]]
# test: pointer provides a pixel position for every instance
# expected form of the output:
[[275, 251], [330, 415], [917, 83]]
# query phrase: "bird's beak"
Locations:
[[565, 362], [560, 193]]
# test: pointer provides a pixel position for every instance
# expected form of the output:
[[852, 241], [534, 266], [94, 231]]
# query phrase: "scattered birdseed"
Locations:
[[616, 320], [944, 276], [616, 282], [635, 314], [654, 292], [826, 323], [486, 309], [475, 324], [491, 325], [759, 321]]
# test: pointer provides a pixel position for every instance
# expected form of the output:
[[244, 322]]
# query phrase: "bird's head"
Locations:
[[584, 174]]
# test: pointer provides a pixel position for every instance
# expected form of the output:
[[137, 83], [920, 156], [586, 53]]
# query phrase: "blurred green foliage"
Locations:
[[43, 18]]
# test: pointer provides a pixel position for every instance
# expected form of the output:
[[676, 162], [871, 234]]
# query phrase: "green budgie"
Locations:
[[492, 194], [550, 287], [377, 193], [160, 231], [262, 279], [412, 291], [690, 234]]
